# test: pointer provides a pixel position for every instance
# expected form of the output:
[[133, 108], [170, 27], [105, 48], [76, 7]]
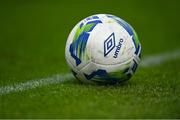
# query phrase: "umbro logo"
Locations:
[[109, 44]]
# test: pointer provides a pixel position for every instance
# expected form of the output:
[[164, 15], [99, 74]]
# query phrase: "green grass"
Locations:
[[32, 41], [152, 93]]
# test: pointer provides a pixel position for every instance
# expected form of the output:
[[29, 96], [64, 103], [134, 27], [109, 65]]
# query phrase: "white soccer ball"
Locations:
[[104, 49]]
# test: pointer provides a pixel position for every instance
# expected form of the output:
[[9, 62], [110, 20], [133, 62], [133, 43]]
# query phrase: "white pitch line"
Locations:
[[35, 83], [146, 62], [159, 58]]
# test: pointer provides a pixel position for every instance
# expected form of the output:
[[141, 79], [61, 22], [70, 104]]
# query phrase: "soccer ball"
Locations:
[[103, 49]]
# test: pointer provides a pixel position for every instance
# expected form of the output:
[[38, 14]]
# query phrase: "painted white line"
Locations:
[[146, 62], [159, 58], [35, 83]]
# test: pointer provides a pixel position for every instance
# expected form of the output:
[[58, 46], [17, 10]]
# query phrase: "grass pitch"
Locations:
[[32, 42]]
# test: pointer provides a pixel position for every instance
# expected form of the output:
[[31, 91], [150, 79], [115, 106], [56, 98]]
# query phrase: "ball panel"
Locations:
[[109, 47], [98, 73], [76, 46]]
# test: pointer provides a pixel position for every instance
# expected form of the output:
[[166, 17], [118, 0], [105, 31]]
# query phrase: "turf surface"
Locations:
[[32, 41]]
